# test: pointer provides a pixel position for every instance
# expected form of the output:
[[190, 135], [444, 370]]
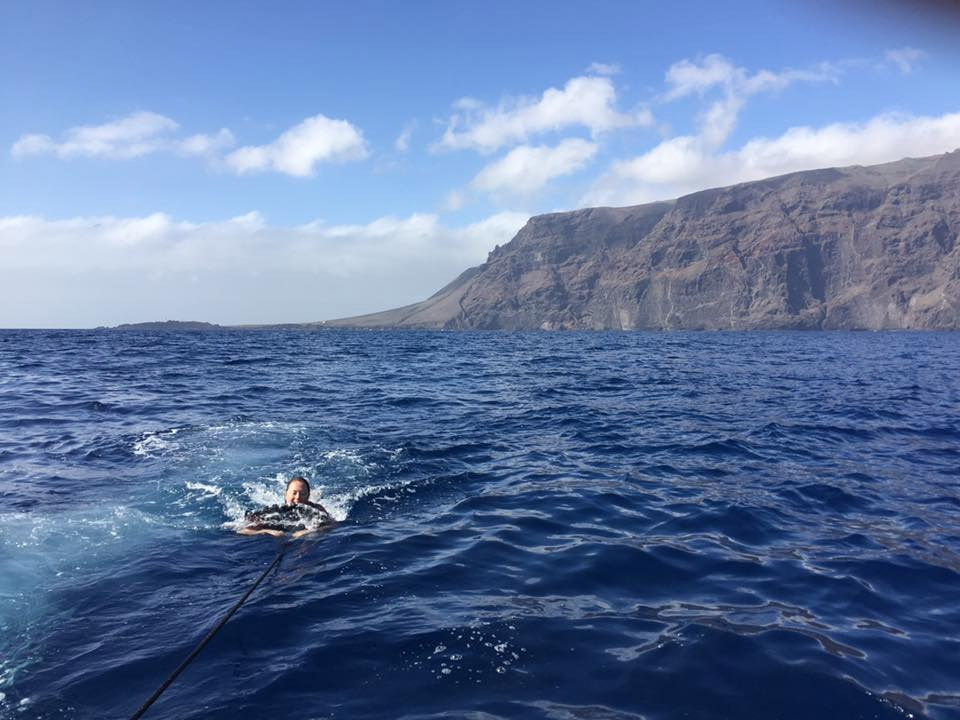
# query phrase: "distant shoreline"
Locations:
[[195, 326]]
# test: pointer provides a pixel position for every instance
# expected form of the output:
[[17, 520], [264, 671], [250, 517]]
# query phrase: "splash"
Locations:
[[211, 476], [155, 444]]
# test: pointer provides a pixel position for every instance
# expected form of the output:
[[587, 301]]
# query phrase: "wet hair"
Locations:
[[298, 478]]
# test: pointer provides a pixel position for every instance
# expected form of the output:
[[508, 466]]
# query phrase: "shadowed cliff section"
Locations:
[[843, 248]]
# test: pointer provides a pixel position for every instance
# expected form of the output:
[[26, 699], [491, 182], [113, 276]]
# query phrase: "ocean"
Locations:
[[533, 525]]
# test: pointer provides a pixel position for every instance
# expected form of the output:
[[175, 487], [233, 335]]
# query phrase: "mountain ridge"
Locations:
[[860, 247]]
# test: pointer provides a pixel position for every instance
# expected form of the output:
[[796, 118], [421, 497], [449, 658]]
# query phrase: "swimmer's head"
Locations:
[[298, 491]]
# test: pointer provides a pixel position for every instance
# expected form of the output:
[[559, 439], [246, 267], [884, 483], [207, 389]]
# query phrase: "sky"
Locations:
[[249, 162]]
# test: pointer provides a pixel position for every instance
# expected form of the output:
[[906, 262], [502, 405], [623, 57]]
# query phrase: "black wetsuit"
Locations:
[[287, 518]]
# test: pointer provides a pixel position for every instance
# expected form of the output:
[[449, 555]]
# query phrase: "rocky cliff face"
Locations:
[[849, 248]]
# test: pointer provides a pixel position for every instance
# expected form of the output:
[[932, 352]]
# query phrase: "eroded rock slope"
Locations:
[[845, 248]]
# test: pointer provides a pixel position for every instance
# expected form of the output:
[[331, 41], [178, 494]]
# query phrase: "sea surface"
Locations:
[[534, 525]]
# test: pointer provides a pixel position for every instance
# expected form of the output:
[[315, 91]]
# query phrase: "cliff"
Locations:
[[843, 248]]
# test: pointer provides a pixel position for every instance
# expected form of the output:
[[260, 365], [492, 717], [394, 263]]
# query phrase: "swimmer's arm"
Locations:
[[253, 531]]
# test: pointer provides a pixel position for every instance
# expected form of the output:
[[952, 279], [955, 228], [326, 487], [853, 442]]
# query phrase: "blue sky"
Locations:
[[244, 162]]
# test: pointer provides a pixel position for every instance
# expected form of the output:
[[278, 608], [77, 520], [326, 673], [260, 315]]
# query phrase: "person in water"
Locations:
[[297, 514]]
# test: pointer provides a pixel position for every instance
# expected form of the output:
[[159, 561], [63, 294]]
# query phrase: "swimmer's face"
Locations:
[[297, 492]]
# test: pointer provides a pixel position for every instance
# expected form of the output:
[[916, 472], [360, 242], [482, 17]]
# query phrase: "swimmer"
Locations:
[[292, 516]]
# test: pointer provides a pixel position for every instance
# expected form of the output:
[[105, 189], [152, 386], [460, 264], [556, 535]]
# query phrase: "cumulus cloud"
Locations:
[[905, 58], [296, 152], [685, 164], [687, 77], [88, 271], [585, 101], [300, 149], [526, 168], [736, 84], [135, 135]]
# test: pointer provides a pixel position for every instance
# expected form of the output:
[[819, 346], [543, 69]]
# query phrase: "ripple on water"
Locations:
[[535, 525]]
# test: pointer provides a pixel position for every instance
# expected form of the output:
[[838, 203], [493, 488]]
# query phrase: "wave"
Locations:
[[535, 525]]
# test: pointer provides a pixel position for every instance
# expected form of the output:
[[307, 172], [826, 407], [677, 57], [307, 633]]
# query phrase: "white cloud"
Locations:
[[583, 102], [209, 145], [454, 200], [905, 58], [686, 77], [737, 84], [134, 135], [131, 136], [104, 270], [33, 144], [685, 164], [296, 152], [402, 143], [526, 169], [603, 69], [719, 120]]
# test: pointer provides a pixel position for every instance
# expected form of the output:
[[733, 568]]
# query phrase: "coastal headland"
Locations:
[[854, 248]]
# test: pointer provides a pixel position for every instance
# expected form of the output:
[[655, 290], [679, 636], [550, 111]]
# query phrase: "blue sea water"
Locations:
[[535, 525]]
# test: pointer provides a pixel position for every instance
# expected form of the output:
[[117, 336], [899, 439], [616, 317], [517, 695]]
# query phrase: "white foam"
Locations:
[[210, 438], [248, 425], [212, 490], [269, 491], [256, 494], [342, 454], [153, 444], [6, 677], [215, 463], [343, 501]]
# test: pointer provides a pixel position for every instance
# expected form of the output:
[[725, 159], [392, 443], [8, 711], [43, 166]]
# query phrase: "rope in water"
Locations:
[[196, 651]]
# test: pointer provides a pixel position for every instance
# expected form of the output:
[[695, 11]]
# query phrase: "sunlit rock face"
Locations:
[[846, 248]]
